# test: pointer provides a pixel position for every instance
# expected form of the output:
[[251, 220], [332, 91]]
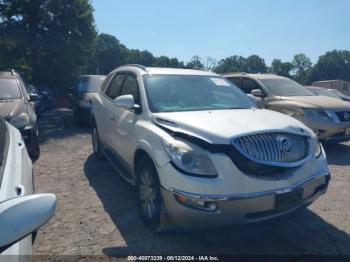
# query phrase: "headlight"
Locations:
[[319, 114], [20, 121], [189, 158], [317, 147], [293, 111]]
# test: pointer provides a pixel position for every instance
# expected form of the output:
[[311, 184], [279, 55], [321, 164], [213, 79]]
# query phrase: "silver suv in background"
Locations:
[[328, 117], [82, 95], [199, 151], [17, 107], [21, 213]]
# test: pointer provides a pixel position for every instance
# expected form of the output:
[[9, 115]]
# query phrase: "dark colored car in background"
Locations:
[[37, 99], [16, 106], [82, 95]]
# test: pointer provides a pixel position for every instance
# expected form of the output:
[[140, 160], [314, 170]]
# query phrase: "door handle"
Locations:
[[20, 190], [112, 118]]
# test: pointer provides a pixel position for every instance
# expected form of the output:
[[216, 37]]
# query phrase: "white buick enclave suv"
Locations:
[[200, 152]]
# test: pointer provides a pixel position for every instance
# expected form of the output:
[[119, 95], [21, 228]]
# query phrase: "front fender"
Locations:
[[155, 152]]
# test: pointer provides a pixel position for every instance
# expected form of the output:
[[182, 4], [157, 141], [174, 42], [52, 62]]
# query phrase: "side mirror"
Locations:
[[257, 93], [125, 101], [34, 97], [253, 98], [20, 216]]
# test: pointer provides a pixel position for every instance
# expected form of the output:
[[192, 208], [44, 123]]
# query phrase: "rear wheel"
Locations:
[[96, 143], [149, 195]]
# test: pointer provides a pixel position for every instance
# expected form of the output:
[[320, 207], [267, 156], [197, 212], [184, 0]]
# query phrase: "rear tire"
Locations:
[[149, 196], [96, 143]]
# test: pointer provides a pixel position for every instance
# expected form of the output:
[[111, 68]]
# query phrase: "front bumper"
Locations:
[[328, 131], [240, 208]]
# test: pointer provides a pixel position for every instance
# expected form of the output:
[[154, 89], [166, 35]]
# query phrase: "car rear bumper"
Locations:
[[243, 208]]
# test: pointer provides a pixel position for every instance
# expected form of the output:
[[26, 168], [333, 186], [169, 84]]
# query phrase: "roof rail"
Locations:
[[202, 69], [135, 65], [235, 73]]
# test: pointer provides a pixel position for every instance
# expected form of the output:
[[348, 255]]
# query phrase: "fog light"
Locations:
[[196, 203]]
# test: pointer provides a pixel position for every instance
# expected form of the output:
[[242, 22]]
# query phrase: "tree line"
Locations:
[[51, 42]]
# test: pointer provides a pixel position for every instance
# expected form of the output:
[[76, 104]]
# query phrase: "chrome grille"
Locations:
[[278, 149]]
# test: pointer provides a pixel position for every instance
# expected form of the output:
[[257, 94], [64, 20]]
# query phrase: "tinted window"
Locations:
[[249, 85], [9, 89], [130, 87], [113, 89], [236, 81], [285, 87], [168, 93], [90, 84]]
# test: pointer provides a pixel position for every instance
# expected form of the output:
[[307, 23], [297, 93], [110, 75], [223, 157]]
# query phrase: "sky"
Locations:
[[221, 28]]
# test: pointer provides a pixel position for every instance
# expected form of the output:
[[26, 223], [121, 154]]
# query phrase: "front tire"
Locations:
[[34, 151], [149, 195], [96, 143]]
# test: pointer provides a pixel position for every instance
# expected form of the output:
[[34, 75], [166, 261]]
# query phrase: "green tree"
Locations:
[[109, 54], [332, 65], [195, 62], [281, 68], [301, 67], [255, 64], [55, 37], [231, 64]]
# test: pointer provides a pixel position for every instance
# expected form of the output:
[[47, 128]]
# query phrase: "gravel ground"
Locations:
[[97, 214]]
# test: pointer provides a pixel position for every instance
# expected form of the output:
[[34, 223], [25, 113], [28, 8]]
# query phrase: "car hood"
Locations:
[[220, 126], [324, 102], [10, 108]]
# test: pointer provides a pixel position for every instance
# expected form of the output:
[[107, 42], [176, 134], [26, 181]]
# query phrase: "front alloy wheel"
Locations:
[[149, 196]]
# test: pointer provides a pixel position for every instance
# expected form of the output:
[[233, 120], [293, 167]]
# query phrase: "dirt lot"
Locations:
[[97, 213]]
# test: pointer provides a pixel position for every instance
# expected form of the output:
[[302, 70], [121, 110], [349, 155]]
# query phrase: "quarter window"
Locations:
[[114, 87]]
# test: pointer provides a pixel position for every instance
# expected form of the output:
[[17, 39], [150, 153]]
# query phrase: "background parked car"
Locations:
[[21, 213], [340, 94], [328, 117], [47, 98], [320, 91], [16, 106], [36, 98], [82, 95]]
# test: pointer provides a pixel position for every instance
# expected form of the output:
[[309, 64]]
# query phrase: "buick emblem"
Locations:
[[285, 144], [346, 116]]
